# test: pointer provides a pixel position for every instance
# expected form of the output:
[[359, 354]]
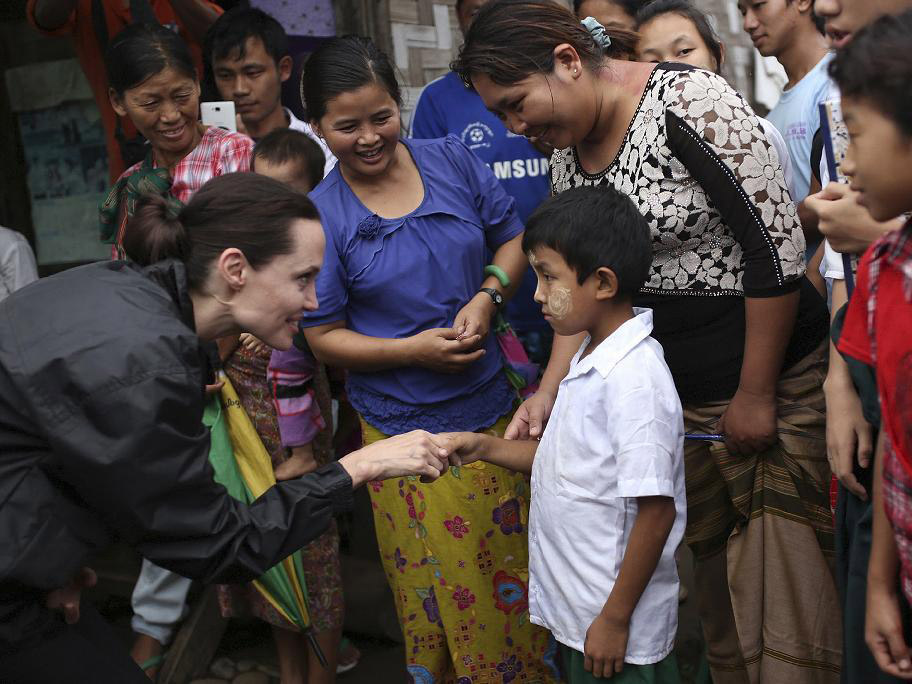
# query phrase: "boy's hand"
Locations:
[[843, 221], [884, 632], [464, 447], [530, 418], [606, 645]]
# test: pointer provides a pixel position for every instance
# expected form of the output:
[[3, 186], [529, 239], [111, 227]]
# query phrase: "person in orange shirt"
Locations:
[[85, 20]]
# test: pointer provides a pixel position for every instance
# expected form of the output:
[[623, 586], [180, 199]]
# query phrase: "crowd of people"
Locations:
[[718, 301]]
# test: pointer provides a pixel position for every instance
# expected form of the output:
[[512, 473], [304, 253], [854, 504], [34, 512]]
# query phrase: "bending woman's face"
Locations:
[[361, 128], [164, 108], [268, 301], [550, 108]]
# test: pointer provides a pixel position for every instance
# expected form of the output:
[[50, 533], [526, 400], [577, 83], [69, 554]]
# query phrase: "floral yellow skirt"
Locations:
[[456, 556]]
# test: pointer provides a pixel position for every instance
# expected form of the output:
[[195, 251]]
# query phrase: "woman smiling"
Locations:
[[153, 82]]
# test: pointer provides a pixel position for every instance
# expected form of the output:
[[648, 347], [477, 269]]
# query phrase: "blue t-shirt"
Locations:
[[797, 117], [447, 107], [394, 278]]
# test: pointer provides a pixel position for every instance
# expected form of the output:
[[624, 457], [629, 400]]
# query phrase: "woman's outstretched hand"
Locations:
[[414, 453]]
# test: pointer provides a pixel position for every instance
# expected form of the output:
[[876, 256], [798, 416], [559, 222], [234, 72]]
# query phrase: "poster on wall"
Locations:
[[66, 160]]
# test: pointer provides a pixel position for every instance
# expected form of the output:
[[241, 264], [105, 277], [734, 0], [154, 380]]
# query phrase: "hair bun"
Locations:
[[155, 231]]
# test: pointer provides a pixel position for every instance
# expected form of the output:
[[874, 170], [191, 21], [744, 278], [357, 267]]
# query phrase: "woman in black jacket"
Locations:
[[102, 376]]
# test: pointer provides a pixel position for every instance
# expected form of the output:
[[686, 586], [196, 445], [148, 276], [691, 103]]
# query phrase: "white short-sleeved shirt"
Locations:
[[295, 124], [616, 433], [785, 160], [17, 262]]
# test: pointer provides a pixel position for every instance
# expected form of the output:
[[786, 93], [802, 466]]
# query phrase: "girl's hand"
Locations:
[[884, 632], [848, 435], [605, 645], [749, 423], [252, 343], [444, 351], [414, 453], [531, 417], [475, 317]]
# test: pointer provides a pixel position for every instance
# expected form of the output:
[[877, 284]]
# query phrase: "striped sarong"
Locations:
[[762, 536]]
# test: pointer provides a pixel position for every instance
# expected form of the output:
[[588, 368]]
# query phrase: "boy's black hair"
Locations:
[[288, 145], [875, 66], [591, 227], [227, 37]]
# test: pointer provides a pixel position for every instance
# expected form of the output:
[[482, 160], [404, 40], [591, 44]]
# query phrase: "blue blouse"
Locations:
[[394, 278]]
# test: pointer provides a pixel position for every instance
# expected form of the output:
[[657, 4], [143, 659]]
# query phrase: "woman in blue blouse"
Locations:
[[405, 306]]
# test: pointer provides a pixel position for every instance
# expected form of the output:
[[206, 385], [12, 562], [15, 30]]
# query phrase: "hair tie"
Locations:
[[597, 31]]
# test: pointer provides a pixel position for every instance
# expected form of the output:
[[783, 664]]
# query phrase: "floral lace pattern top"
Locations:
[[698, 165]]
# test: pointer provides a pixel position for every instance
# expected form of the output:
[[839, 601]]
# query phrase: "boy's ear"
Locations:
[[607, 287]]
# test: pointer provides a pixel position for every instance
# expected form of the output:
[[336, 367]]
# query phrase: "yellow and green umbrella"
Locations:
[[242, 465]]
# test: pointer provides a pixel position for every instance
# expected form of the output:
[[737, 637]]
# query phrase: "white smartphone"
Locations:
[[219, 114]]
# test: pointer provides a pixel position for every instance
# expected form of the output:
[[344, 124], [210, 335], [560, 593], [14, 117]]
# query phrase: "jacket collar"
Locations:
[[171, 276], [613, 348]]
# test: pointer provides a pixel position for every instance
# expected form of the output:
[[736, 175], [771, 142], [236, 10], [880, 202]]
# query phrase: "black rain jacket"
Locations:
[[101, 437]]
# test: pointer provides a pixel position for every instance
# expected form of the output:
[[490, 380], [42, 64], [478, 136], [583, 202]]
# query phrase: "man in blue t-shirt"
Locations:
[[447, 107], [790, 31]]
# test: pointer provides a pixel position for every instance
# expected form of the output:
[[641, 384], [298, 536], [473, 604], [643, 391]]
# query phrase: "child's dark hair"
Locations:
[[244, 210], [591, 227], [142, 50], [510, 40], [341, 66], [288, 145], [875, 66], [630, 7], [683, 8], [227, 37]]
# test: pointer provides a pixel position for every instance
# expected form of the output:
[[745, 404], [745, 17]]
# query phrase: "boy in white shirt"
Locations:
[[608, 506]]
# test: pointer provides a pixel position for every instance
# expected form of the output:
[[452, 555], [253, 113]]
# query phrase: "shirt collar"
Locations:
[[293, 121], [613, 348]]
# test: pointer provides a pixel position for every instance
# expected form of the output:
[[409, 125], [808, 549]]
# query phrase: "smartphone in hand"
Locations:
[[220, 114]]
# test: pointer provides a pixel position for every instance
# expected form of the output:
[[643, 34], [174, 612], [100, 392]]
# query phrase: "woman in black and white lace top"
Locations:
[[742, 329]]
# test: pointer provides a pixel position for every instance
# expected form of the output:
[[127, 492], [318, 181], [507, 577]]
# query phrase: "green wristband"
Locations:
[[499, 273]]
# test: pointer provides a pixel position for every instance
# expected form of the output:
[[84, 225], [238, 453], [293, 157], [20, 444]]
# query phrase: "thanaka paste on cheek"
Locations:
[[559, 302]]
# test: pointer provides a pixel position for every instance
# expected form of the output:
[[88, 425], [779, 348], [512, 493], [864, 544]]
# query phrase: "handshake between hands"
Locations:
[[416, 453]]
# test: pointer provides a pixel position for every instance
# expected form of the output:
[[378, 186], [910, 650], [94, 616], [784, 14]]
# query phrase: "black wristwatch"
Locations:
[[495, 296]]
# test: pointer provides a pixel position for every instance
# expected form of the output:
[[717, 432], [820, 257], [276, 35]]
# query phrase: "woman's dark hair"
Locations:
[[510, 40], [143, 50], [244, 210], [875, 66], [341, 66], [683, 8], [288, 145], [591, 227], [630, 7]]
